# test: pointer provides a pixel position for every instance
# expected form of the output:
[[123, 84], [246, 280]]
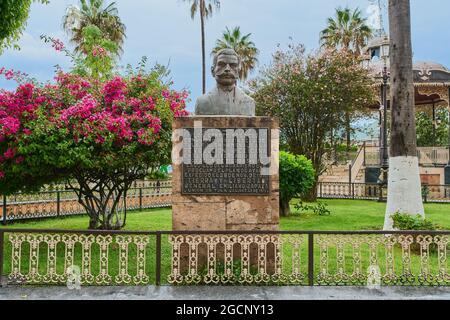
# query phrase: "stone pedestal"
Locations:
[[217, 212]]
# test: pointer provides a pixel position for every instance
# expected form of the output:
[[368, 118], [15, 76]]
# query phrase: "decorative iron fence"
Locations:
[[428, 156], [61, 203], [366, 191], [62, 257]]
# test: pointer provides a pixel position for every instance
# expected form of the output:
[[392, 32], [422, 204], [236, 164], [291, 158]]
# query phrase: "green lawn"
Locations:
[[346, 215]]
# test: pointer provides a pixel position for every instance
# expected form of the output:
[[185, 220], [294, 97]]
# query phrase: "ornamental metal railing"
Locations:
[[60, 203], [428, 156], [367, 191], [304, 258]]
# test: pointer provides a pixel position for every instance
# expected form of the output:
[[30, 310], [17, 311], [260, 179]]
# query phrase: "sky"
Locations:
[[163, 31]]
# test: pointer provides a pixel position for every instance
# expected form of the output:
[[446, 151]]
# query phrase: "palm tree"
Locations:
[[205, 9], [93, 12], [244, 48], [404, 187], [347, 31]]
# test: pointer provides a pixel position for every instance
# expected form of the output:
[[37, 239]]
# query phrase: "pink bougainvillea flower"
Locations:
[[9, 74], [9, 153], [27, 132], [57, 44], [9, 125], [19, 160]]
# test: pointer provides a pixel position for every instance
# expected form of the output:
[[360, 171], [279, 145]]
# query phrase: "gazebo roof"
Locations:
[[425, 72], [431, 79]]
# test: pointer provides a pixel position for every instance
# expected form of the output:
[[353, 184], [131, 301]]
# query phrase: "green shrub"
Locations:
[[297, 177], [161, 173], [407, 222], [404, 221]]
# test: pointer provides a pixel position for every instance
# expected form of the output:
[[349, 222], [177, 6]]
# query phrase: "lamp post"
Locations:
[[383, 180], [447, 168]]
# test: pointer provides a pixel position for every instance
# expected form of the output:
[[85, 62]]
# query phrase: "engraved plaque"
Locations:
[[226, 161]]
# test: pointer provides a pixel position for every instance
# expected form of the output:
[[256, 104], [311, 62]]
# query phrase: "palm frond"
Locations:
[[246, 49]]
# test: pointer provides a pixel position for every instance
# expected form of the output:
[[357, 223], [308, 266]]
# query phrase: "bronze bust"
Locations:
[[226, 99]]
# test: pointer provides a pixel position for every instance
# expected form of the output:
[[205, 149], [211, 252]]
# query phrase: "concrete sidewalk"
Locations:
[[224, 293]]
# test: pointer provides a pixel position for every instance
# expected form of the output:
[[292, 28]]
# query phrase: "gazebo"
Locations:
[[432, 91]]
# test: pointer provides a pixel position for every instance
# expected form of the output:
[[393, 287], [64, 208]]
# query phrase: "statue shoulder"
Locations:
[[247, 102], [203, 104], [245, 97]]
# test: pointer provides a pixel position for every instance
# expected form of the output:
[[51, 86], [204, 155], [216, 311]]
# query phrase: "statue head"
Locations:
[[226, 66]]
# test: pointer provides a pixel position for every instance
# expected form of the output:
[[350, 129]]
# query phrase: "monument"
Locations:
[[225, 170], [225, 166], [226, 99]]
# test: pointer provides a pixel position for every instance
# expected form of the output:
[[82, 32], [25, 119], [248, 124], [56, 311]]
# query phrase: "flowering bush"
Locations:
[[101, 134], [311, 95]]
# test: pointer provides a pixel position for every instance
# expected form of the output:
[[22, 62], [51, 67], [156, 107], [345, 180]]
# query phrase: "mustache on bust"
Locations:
[[227, 75]]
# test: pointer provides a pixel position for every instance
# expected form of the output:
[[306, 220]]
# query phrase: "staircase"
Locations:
[[340, 173], [335, 173]]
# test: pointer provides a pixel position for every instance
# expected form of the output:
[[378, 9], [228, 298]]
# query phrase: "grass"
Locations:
[[346, 215], [358, 215]]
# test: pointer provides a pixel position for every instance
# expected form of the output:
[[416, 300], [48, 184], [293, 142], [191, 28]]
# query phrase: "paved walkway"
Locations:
[[224, 293]]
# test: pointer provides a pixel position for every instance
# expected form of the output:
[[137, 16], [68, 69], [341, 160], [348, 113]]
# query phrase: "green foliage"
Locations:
[[426, 136], [320, 209], [204, 7], [98, 59], [94, 13], [245, 48], [160, 173], [311, 95], [13, 17], [348, 30], [404, 221], [343, 148], [297, 176]]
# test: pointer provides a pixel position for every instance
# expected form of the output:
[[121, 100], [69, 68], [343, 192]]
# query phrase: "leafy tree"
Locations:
[[102, 134], [404, 174], [348, 30], [297, 177], [430, 134], [13, 16], [310, 95], [205, 9], [94, 12], [244, 48]]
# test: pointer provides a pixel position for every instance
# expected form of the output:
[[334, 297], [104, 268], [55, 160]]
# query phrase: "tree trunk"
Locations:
[[92, 224], [202, 21], [404, 187], [312, 195], [348, 130], [285, 209]]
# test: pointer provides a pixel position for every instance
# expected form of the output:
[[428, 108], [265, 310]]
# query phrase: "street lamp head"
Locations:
[[384, 49]]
